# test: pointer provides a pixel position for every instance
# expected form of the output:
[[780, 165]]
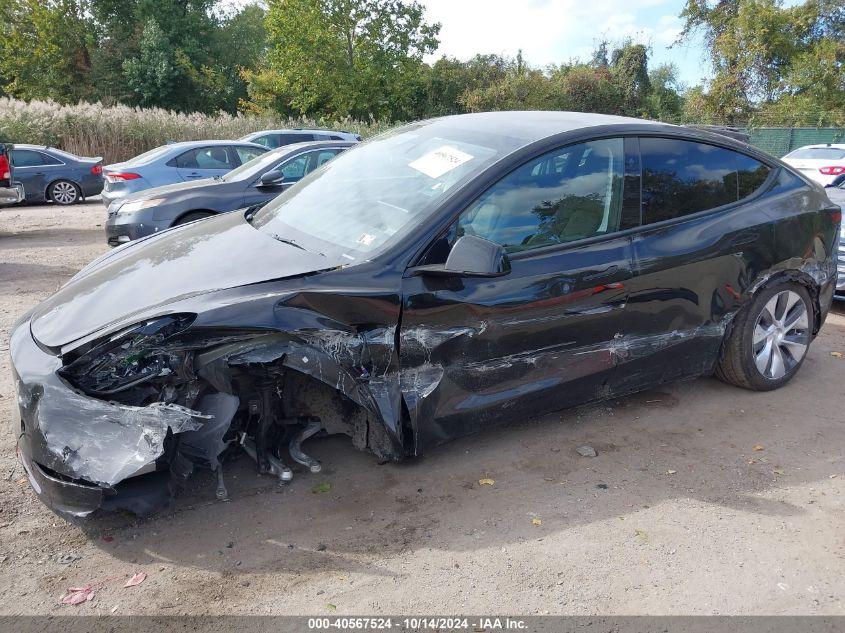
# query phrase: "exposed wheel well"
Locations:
[[799, 277], [182, 216]]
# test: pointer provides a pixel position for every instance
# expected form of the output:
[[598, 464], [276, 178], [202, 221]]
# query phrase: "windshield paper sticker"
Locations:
[[440, 161], [366, 239]]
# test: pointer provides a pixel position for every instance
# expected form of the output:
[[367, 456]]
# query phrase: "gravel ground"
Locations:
[[703, 499]]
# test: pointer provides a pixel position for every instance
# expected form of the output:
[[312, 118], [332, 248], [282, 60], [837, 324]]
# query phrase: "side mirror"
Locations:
[[274, 177], [471, 256]]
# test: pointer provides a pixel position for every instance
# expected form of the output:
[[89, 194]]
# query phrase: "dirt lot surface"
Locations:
[[703, 498]]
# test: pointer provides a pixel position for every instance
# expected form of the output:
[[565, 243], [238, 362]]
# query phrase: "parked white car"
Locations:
[[822, 163]]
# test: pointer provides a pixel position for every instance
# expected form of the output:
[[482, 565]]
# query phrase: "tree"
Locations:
[[359, 58], [664, 101], [764, 53], [44, 49]]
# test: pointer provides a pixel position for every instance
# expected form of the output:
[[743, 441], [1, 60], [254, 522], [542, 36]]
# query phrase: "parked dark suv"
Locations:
[[444, 277]]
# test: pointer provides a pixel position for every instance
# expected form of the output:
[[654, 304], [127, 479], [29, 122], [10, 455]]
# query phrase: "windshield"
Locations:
[[252, 168], [374, 194], [823, 153], [140, 159]]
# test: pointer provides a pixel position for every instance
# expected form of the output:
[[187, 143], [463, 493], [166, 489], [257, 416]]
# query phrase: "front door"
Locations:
[[475, 351]]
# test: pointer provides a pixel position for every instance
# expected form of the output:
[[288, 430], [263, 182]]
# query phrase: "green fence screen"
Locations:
[[778, 141]]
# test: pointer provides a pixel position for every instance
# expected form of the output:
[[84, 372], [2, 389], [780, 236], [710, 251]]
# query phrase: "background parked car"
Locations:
[[253, 183], [47, 173], [9, 192], [836, 192], [822, 163], [175, 162], [280, 138]]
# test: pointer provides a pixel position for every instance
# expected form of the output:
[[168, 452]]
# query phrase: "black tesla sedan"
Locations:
[[252, 184], [446, 276]]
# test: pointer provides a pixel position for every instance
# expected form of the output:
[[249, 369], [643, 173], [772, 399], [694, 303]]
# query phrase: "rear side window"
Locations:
[[569, 194], [246, 154], [288, 139], [325, 156], [26, 158], [683, 177], [751, 175], [215, 157], [267, 141]]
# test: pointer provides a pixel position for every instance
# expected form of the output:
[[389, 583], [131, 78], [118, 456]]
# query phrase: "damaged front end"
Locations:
[[121, 421]]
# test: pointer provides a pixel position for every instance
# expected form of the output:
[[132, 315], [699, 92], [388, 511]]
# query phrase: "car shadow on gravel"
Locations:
[[51, 238], [702, 441]]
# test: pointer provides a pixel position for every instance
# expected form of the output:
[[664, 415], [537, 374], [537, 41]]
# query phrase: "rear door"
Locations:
[[203, 162], [476, 350], [705, 236]]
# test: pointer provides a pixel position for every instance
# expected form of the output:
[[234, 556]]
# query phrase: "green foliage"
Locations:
[[360, 58], [769, 59], [178, 54], [44, 49]]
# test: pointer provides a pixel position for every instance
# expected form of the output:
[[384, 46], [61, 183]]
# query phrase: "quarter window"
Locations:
[[683, 177], [569, 194]]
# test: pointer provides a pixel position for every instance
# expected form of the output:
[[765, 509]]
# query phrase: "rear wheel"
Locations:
[[193, 215], [64, 192], [770, 339]]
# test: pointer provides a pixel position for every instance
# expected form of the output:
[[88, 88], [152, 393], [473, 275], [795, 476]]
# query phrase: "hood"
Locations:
[[218, 253]]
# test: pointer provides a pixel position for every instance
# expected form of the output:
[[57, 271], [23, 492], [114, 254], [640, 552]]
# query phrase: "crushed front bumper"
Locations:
[[81, 453]]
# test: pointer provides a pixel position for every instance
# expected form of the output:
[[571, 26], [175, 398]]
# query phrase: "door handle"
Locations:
[[599, 274]]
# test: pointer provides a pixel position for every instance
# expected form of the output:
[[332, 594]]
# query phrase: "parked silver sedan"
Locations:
[[175, 162]]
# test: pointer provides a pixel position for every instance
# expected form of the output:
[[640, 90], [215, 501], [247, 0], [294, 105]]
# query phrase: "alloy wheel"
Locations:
[[781, 335], [64, 193]]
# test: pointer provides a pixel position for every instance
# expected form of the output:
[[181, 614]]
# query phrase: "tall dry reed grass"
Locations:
[[119, 132]]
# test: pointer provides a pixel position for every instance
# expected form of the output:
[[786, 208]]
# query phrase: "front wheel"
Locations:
[[64, 192], [770, 339]]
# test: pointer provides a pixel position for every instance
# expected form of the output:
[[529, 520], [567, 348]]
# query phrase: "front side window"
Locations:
[[568, 194], [295, 168], [267, 141]]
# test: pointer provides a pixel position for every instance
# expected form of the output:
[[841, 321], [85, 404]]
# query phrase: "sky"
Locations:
[[556, 31]]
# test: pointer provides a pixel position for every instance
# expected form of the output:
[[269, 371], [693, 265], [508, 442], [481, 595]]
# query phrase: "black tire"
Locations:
[[64, 192], [741, 353], [193, 215]]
